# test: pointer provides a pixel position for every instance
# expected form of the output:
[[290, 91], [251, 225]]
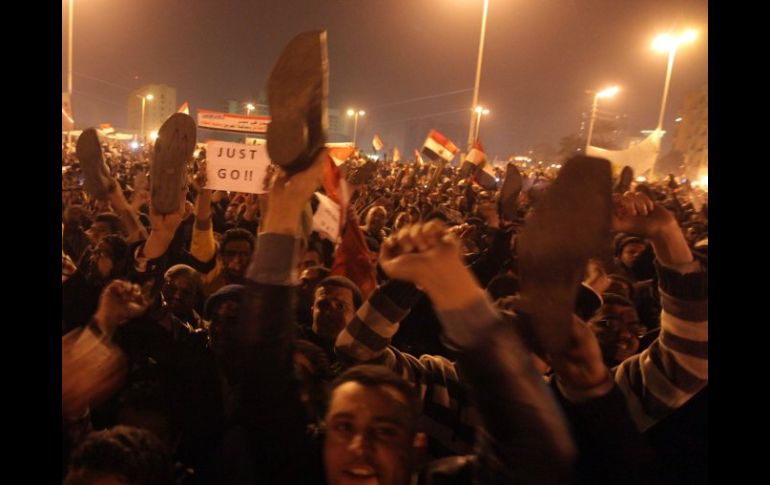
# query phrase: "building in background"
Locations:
[[691, 135], [156, 111]]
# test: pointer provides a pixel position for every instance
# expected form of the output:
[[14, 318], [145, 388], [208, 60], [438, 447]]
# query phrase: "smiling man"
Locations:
[[370, 428]]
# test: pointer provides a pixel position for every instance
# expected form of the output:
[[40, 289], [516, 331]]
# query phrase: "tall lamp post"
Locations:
[[605, 93], [479, 111], [355, 114], [478, 71], [145, 98], [69, 48], [249, 108], [669, 43]]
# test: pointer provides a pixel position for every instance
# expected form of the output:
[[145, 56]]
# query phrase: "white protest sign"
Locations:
[[326, 219], [236, 167]]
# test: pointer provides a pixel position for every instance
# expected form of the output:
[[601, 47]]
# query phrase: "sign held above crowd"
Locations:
[[236, 167]]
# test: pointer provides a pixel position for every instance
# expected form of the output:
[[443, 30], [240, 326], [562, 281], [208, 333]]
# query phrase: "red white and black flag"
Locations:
[[476, 163], [438, 147], [473, 159], [377, 143], [185, 108]]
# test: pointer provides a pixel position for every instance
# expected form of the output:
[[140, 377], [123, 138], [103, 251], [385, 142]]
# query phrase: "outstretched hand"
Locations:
[[635, 213], [168, 223], [119, 302], [289, 194], [428, 255]]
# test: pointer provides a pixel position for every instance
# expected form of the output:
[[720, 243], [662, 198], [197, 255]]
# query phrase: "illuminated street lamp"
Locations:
[[605, 93], [478, 70], [480, 110], [355, 114], [249, 108], [669, 43]]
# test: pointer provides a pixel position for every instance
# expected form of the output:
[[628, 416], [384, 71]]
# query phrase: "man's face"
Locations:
[[102, 261], [332, 310], [377, 218], [310, 258], [630, 253], [97, 232], [369, 435], [618, 330], [179, 293], [223, 323], [235, 258]]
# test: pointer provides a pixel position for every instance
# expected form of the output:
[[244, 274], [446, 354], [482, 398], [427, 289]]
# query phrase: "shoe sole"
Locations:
[[509, 193], [569, 225], [174, 148], [624, 182], [298, 89], [96, 175]]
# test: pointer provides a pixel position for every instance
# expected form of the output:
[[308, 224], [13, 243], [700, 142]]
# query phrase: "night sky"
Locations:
[[540, 57]]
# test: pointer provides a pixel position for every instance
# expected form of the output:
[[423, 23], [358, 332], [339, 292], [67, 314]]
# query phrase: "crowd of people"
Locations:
[[452, 333]]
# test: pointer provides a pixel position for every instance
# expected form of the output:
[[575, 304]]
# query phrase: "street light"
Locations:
[[605, 93], [69, 49], [479, 111], [145, 98], [478, 70], [355, 114], [669, 43], [249, 108]]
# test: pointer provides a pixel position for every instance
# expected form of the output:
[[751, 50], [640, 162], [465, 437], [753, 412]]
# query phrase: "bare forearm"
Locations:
[[157, 244], [203, 205], [127, 214], [670, 246]]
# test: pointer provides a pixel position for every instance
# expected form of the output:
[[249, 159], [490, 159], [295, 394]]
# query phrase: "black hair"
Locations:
[[503, 285], [342, 282], [116, 226], [376, 376], [237, 234], [615, 299], [136, 454]]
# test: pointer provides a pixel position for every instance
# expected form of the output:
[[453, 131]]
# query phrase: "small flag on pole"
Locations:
[[185, 108], [377, 143], [476, 163], [438, 147], [418, 158]]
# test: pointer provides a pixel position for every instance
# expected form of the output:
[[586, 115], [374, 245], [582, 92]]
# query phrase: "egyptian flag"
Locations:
[[438, 147], [377, 143], [474, 158], [106, 128], [417, 158], [396, 155], [340, 152], [352, 258], [485, 174], [185, 108]]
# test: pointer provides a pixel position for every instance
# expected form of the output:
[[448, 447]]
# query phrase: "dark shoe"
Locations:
[[96, 175], [569, 225], [509, 193], [362, 174], [297, 91], [168, 172], [624, 182]]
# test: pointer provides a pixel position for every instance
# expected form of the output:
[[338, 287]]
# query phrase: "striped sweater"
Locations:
[[674, 367], [655, 382], [448, 417]]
